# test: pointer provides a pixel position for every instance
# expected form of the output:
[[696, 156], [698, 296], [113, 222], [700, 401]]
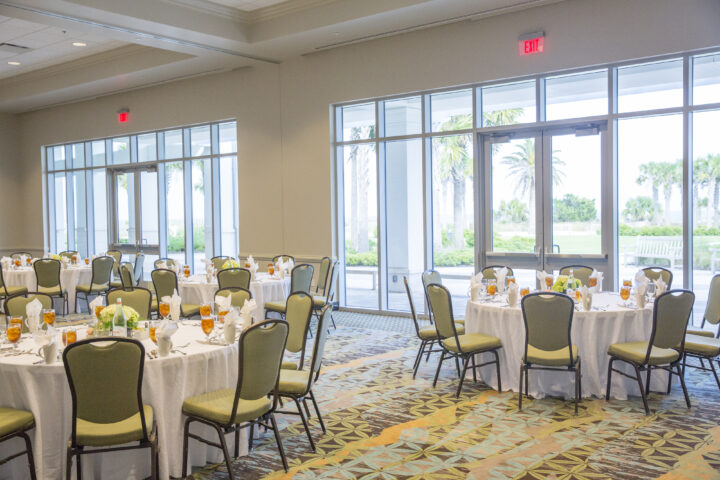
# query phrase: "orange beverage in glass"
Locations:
[[627, 283], [164, 309], [510, 279], [69, 337], [492, 288], [221, 316], [74, 259], [28, 260], [271, 270], [625, 292], [524, 291], [549, 281], [592, 282], [205, 310], [247, 265], [16, 321], [578, 295], [186, 271], [207, 324], [14, 331], [49, 316], [152, 331], [17, 262], [98, 310], [87, 261]]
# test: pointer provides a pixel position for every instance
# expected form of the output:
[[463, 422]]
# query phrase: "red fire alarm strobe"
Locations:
[[531, 43], [123, 115]]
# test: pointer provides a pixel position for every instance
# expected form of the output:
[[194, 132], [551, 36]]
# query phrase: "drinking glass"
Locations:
[[592, 282], [186, 271], [208, 325], [49, 316], [247, 265], [28, 261], [627, 283], [14, 332], [492, 287], [87, 261], [74, 259], [98, 310], [221, 316], [205, 310], [549, 282], [164, 309], [510, 279], [271, 269], [152, 331], [69, 336], [17, 262], [524, 291], [625, 293]]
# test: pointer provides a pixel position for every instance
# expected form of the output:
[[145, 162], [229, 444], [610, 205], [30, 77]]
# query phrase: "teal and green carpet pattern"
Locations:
[[382, 424]]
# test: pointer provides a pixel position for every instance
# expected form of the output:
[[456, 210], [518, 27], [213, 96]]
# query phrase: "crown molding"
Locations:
[[208, 7], [285, 8]]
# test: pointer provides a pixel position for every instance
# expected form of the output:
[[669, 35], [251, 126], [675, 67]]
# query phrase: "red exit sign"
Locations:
[[531, 44]]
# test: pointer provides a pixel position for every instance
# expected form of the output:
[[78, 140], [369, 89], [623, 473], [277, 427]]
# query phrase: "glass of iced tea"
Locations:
[[17, 262], [492, 287], [205, 310], [74, 259], [247, 265], [164, 309], [49, 316], [549, 282], [186, 271], [14, 331], [152, 331], [627, 283], [271, 269], [208, 325], [87, 261], [625, 293], [98, 310], [524, 291], [592, 282], [510, 279], [69, 336], [221, 316], [28, 261]]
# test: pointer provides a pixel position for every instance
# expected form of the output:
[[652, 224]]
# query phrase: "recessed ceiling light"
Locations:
[[79, 44], [13, 63]]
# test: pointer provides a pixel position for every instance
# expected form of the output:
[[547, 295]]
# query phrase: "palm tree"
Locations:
[[496, 118], [707, 173], [661, 174]]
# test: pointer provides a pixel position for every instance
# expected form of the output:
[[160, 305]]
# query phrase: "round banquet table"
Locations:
[[70, 278], [43, 390], [197, 291], [593, 332]]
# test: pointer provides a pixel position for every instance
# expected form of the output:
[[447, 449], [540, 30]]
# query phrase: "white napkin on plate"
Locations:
[[174, 302], [500, 275], [232, 320], [32, 311], [641, 283], [246, 312], [660, 286], [223, 303], [280, 268], [513, 294], [475, 286]]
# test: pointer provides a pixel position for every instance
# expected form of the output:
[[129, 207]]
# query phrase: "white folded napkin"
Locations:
[[475, 286], [247, 311], [500, 275], [660, 286], [541, 276], [223, 303], [280, 268], [513, 294], [32, 311], [641, 283], [175, 306], [6, 262], [599, 276], [230, 326]]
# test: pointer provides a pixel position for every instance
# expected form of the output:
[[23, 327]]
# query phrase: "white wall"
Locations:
[[283, 112], [9, 191]]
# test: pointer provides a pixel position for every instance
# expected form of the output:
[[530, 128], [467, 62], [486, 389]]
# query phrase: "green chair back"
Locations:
[[441, 307], [47, 272], [319, 346], [68, 254], [298, 312], [238, 296], [284, 258], [126, 275], [15, 306], [137, 298], [17, 255], [169, 262], [548, 321], [431, 276], [580, 272], [102, 268], [261, 350], [712, 310], [323, 275], [164, 281], [653, 273], [331, 281], [105, 379], [301, 278], [219, 261], [489, 271], [234, 278], [117, 256], [3, 291], [138, 268], [412, 306], [670, 318]]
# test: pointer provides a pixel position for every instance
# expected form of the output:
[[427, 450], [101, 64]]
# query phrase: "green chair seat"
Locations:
[[472, 342], [288, 365], [91, 434], [318, 301], [116, 284], [551, 358], [188, 309], [293, 381], [701, 345], [12, 420], [52, 291], [430, 333], [217, 406], [636, 351], [275, 307], [460, 321], [13, 291], [94, 288], [702, 333]]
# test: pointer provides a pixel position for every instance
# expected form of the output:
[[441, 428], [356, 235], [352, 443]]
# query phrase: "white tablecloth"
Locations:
[[43, 390], [264, 288], [593, 332], [70, 278]]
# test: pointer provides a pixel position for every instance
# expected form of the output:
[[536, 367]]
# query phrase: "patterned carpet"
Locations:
[[382, 424]]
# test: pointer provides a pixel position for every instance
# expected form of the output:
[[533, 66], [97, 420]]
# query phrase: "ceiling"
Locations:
[[134, 43]]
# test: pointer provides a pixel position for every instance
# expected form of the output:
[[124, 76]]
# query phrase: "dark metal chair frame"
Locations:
[[18, 254], [423, 343], [149, 441], [466, 357], [278, 257], [645, 367], [224, 429], [329, 291], [92, 282], [702, 358], [427, 299], [575, 365], [321, 286], [28, 449], [574, 267], [63, 294], [165, 259]]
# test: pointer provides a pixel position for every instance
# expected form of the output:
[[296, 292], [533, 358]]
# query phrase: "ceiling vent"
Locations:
[[14, 49]]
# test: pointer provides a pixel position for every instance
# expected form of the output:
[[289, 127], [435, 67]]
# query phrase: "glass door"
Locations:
[[544, 197]]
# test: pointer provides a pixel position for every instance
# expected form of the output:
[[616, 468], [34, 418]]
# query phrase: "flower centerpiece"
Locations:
[[105, 320], [561, 284], [231, 263], [55, 256]]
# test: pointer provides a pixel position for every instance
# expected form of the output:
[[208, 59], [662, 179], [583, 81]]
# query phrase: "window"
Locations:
[[508, 104], [577, 95], [650, 86], [451, 111], [149, 194], [706, 79]]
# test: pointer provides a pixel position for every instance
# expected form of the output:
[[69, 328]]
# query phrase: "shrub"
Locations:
[[453, 258], [365, 259]]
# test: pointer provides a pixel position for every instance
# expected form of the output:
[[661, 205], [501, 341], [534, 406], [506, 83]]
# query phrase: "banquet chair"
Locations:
[[712, 310], [68, 254], [170, 263], [664, 350], [126, 276], [296, 384], [15, 306], [219, 261], [15, 423], [105, 380], [427, 335], [653, 273], [489, 271], [299, 309], [47, 277], [321, 284], [254, 398], [137, 298], [234, 278], [459, 346], [319, 301], [300, 281], [238, 296], [117, 256], [7, 292], [429, 277], [548, 345], [284, 258], [16, 255], [580, 272], [165, 282], [99, 281], [138, 268]]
